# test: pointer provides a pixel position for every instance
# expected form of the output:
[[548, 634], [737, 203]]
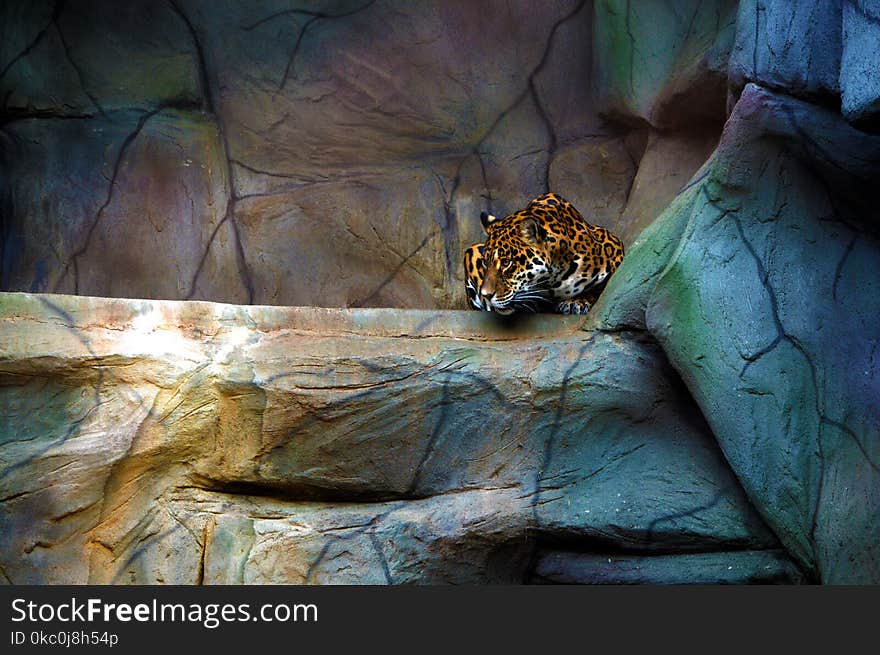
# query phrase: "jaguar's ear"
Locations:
[[487, 219], [530, 232]]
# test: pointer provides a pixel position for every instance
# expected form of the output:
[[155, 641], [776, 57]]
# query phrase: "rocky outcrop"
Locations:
[[150, 441], [792, 45], [859, 74], [824, 51], [757, 282]]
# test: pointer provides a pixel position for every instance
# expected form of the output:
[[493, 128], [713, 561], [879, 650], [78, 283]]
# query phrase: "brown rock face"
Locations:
[[670, 160], [336, 156]]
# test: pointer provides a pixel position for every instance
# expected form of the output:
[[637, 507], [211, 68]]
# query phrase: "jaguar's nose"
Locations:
[[487, 289]]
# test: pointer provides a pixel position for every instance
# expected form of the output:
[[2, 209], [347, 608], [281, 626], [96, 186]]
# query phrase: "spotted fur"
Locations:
[[546, 257]]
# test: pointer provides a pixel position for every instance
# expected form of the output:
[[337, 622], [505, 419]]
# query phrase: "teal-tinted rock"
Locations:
[[662, 62], [790, 45], [859, 72], [622, 304], [768, 308]]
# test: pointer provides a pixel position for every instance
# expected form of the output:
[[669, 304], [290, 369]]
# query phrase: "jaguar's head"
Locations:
[[518, 260]]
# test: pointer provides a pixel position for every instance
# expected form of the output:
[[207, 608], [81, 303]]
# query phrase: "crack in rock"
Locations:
[[783, 336], [69, 324], [76, 67], [369, 529], [229, 216], [393, 274], [120, 156], [547, 456], [56, 11], [449, 224], [313, 17]]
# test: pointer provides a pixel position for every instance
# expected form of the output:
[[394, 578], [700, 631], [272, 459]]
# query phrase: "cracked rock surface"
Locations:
[[336, 155], [820, 50], [150, 441], [759, 281]]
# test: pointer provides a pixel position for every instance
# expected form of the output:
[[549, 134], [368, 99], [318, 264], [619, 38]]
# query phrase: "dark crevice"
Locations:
[[838, 272], [781, 575], [291, 492], [636, 331], [229, 216], [200, 573], [12, 115], [637, 543], [259, 171]]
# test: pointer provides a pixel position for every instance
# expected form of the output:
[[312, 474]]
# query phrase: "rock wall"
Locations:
[[714, 419], [337, 155], [758, 278], [759, 283]]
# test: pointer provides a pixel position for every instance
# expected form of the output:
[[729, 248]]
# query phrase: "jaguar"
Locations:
[[545, 257]]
